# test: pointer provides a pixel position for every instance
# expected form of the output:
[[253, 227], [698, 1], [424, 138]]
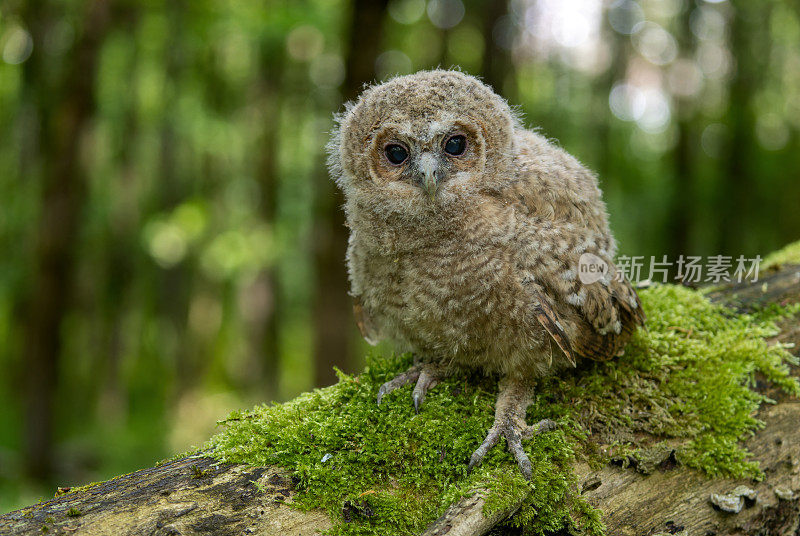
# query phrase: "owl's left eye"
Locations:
[[456, 145], [396, 154]]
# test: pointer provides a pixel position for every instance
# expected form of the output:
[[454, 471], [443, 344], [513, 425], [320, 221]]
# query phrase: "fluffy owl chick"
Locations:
[[467, 236]]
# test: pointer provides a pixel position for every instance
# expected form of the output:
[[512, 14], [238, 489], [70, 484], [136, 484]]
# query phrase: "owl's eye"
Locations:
[[396, 154], [456, 145]]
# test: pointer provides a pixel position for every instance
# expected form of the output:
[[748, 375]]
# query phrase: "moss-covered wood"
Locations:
[[650, 490], [185, 496]]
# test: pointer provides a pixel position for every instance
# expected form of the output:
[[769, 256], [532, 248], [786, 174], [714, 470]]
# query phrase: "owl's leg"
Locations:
[[426, 376], [509, 422]]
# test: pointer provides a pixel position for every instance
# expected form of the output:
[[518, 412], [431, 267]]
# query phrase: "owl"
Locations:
[[472, 242]]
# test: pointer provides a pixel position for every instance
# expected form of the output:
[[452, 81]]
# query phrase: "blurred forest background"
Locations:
[[171, 247]]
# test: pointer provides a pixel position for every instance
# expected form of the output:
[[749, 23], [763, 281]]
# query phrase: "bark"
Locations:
[[186, 496], [198, 494]]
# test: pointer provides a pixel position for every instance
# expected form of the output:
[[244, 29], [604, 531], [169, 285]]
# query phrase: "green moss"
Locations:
[[788, 255], [684, 384], [197, 472]]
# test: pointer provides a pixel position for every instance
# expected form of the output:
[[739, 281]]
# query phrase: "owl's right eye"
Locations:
[[396, 154]]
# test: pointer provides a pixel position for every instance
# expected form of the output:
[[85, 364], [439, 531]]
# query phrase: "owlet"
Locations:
[[470, 237]]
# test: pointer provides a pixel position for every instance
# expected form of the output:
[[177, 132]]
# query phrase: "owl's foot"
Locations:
[[426, 377], [509, 422], [514, 434]]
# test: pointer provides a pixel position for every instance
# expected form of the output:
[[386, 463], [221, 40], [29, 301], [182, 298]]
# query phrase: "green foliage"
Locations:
[[686, 383]]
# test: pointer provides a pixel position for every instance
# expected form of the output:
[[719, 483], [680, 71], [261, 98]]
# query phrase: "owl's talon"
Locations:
[[514, 434], [545, 425], [514, 442], [491, 440], [409, 376], [426, 377], [382, 391]]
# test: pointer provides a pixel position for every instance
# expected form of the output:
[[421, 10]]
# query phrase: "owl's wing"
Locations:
[[602, 326], [612, 312], [560, 217], [599, 316], [551, 322]]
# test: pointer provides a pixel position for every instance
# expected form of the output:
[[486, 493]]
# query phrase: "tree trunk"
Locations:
[[496, 64], [264, 322], [193, 495], [750, 46], [173, 284], [333, 325], [681, 210], [63, 109]]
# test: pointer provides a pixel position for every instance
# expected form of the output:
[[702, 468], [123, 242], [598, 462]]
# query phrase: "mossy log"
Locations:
[[195, 495]]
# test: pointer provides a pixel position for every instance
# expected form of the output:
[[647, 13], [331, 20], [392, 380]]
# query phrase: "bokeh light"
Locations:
[[305, 42], [327, 70], [625, 15], [772, 132], [685, 79], [17, 45], [445, 14], [654, 43], [708, 24], [714, 60], [627, 101], [392, 62], [406, 11]]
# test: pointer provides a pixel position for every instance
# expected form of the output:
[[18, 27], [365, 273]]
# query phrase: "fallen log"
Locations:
[[193, 495]]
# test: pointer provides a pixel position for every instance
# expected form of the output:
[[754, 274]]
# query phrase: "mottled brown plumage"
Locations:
[[471, 259]]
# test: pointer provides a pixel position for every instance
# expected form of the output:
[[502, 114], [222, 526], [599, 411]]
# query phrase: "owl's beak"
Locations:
[[429, 184], [429, 170]]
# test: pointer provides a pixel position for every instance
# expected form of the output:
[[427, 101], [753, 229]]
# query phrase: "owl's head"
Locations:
[[422, 139]]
